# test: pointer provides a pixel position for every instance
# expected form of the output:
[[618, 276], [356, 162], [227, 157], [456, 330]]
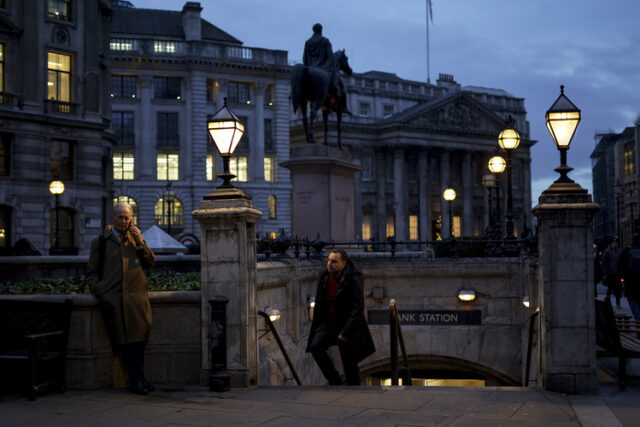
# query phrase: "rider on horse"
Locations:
[[319, 53]]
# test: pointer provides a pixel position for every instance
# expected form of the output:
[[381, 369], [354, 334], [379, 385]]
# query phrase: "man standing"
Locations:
[[339, 320], [116, 277], [610, 274], [629, 266]]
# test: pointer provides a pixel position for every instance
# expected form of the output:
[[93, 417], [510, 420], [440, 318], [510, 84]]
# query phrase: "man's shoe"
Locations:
[[138, 387], [147, 385]]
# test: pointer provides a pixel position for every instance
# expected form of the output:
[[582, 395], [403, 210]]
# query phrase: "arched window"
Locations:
[[162, 212], [5, 230], [272, 206], [131, 202]]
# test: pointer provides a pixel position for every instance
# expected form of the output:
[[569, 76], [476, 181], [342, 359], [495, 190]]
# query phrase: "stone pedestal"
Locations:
[[228, 268], [565, 290], [322, 185]]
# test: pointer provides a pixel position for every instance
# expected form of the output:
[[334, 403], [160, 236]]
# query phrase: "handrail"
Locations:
[[532, 317], [277, 337], [395, 335]]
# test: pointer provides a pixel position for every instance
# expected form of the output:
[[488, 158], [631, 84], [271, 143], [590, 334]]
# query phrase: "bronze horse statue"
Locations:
[[312, 85]]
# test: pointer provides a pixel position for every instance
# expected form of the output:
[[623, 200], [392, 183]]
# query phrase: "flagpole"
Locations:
[[428, 64]]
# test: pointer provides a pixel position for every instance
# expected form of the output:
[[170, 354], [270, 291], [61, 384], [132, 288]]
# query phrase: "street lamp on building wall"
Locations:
[[226, 130], [169, 197], [497, 165], [56, 188], [509, 139], [450, 195]]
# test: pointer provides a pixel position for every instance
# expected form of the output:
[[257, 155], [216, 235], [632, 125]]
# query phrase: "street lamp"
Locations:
[[497, 165], [226, 130], [489, 181], [509, 139], [562, 120], [169, 197], [449, 195], [56, 188]]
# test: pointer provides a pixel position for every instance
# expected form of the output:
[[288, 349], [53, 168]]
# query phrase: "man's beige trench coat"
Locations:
[[122, 291]]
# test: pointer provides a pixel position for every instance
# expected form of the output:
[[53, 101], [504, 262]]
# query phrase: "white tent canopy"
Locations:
[[161, 242]]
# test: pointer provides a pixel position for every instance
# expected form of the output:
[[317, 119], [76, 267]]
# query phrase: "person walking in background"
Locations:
[[339, 320], [629, 267], [116, 277], [610, 275]]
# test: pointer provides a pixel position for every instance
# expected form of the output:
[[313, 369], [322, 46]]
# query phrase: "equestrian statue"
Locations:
[[316, 82]]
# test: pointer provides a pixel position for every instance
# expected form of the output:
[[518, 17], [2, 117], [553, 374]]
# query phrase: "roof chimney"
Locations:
[[191, 23]]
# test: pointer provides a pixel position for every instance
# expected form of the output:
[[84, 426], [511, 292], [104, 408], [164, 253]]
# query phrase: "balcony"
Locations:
[[53, 106], [8, 99]]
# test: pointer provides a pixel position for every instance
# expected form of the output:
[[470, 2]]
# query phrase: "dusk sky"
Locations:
[[528, 48]]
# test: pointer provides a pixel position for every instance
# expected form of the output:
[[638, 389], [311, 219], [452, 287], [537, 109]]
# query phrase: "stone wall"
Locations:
[[496, 346]]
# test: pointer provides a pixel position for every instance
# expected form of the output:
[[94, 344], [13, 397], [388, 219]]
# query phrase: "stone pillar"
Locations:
[[424, 203], [257, 151], [381, 207], [567, 339], [228, 268], [322, 190], [444, 182], [399, 191], [467, 196], [145, 157]]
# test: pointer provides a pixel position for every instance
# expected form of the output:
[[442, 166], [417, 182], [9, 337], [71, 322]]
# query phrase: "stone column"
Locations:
[[228, 268], [257, 151], [444, 182], [567, 339], [399, 191], [467, 196], [424, 202], [381, 208], [145, 157]]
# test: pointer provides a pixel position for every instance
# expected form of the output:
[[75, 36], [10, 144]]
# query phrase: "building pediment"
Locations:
[[459, 113]]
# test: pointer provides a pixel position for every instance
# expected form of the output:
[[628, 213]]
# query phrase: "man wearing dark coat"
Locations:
[[116, 277], [339, 320]]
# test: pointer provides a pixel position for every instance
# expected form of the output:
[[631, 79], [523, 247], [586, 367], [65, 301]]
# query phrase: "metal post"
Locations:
[[509, 214], [393, 337], [169, 213], [56, 243], [219, 379], [450, 221], [498, 217]]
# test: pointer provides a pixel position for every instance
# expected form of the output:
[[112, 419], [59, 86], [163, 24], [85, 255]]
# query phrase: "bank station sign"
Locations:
[[427, 317]]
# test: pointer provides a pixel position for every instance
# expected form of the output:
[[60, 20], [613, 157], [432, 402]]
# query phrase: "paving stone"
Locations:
[[321, 412]]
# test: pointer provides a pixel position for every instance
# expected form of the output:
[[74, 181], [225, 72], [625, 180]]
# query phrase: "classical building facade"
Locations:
[[171, 71], [615, 185], [415, 139], [53, 116]]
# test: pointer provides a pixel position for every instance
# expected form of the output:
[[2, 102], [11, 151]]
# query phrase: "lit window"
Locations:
[[211, 167], [123, 166], [5, 229], [629, 159], [364, 109], [390, 229], [163, 46], [168, 167], [1, 67], [59, 9], [121, 44], [456, 226], [59, 77], [270, 169], [162, 212], [123, 86], [366, 227], [272, 206], [413, 227], [273, 235], [131, 202], [122, 125], [239, 166], [212, 90], [238, 92], [61, 159]]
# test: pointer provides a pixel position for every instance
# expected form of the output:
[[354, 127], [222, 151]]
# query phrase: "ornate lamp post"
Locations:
[[509, 139], [562, 120], [489, 181], [56, 188], [226, 131], [169, 197], [497, 165], [450, 195]]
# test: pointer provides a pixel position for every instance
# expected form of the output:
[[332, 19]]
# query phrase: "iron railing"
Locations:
[[395, 336], [273, 330]]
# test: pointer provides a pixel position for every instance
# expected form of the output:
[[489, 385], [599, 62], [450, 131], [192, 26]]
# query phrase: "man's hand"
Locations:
[[136, 234], [341, 338]]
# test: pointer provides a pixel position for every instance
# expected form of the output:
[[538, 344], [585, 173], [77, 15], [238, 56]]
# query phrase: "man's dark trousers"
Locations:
[[325, 336]]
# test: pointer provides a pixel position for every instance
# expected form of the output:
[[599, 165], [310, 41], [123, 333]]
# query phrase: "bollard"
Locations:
[[219, 379]]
